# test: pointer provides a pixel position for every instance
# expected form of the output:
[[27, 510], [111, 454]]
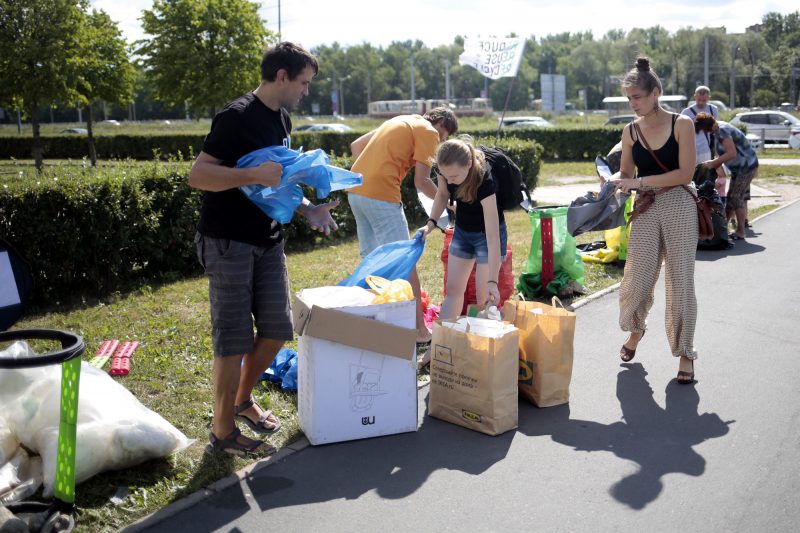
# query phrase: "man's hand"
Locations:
[[268, 174], [319, 217]]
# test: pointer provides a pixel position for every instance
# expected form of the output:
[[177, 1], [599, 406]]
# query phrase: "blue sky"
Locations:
[[315, 22]]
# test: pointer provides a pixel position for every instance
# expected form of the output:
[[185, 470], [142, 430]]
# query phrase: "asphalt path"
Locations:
[[633, 450]]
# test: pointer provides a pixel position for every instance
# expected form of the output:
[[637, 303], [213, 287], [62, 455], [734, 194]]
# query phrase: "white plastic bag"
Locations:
[[114, 429]]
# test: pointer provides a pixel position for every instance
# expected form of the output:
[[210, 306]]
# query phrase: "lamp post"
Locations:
[[734, 48], [446, 80], [341, 94]]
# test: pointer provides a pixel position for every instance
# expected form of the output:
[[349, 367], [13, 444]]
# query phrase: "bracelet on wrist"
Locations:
[[435, 225], [492, 281]]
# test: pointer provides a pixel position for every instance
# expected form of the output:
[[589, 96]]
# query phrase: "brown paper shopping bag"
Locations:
[[474, 376], [546, 335]]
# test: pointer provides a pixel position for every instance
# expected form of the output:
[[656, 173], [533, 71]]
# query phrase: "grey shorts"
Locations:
[[246, 285]]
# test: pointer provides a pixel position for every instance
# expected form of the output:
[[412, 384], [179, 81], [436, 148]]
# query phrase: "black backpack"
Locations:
[[511, 188]]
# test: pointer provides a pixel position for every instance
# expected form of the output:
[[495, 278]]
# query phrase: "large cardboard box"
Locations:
[[357, 369]]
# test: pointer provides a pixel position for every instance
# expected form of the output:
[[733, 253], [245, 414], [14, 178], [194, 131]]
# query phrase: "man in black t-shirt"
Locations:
[[241, 248]]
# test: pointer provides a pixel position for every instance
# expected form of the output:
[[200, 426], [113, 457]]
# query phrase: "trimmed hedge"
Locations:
[[569, 144], [89, 232]]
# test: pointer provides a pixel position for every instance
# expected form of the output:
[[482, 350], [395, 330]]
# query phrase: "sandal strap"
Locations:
[[247, 404], [230, 437], [265, 417], [232, 442]]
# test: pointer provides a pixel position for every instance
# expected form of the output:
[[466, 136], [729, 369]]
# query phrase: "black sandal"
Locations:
[[686, 378], [232, 446], [258, 427], [626, 354]]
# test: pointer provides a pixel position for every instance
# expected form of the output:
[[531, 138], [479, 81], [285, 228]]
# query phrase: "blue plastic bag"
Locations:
[[283, 370], [394, 260], [311, 168]]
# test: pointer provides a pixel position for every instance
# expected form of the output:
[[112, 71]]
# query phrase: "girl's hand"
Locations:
[[492, 293]]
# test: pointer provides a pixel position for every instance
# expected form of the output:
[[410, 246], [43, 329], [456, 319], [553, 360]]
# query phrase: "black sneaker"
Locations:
[[747, 224]]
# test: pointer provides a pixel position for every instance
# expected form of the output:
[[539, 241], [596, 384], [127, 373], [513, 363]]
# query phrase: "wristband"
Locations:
[[435, 225]]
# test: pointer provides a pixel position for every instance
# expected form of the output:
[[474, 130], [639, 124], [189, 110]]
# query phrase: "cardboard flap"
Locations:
[[353, 330]]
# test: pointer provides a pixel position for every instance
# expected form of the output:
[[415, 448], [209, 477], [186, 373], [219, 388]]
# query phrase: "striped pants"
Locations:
[[666, 232]]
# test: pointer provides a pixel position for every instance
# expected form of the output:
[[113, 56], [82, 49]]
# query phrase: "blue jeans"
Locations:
[[473, 245]]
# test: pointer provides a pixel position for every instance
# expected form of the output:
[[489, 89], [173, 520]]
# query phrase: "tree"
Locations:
[[40, 56], [203, 52], [105, 71]]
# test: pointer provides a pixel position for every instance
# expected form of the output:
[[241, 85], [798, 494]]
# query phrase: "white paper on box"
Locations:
[[346, 391]]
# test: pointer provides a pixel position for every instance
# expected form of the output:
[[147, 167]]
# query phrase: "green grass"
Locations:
[[778, 153], [779, 173]]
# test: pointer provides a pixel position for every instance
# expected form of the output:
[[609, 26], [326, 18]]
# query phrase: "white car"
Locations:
[[777, 126], [525, 122], [341, 128]]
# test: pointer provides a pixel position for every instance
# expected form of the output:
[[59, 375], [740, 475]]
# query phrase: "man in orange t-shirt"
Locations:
[[384, 156]]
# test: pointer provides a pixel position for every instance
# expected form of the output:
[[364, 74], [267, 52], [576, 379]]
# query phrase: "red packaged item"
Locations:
[[121, 363], [505, 282]]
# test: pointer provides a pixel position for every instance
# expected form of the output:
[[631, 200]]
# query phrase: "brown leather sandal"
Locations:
[[626, 354]]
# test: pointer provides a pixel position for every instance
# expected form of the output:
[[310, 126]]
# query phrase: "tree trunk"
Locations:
[[90, 135], [37, 139]]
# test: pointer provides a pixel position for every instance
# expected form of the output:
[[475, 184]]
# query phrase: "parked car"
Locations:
[[341, 128], [755, 140], [111, 122], [619, 119], [83, 131], [525, 122], [777, 126]]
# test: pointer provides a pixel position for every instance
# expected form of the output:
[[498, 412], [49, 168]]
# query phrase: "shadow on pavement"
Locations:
[[348, 470], [658, 440], [746, 247]]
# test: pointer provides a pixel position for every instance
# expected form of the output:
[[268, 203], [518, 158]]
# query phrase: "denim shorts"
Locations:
[[472, 244], [377, 222]]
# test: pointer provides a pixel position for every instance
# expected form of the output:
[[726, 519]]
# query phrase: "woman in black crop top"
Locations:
[[664, 222]]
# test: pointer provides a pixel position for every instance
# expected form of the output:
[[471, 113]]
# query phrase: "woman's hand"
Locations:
[[625, 184]]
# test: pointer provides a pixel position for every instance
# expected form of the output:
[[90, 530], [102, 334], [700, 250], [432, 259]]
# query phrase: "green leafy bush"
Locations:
[[88, 232]]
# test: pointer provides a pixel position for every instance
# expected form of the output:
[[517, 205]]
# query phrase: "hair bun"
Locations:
[[642, 64]]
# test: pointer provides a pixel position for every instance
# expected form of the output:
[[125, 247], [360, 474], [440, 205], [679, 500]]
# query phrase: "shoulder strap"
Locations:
[[647, 146], [692, 109]]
